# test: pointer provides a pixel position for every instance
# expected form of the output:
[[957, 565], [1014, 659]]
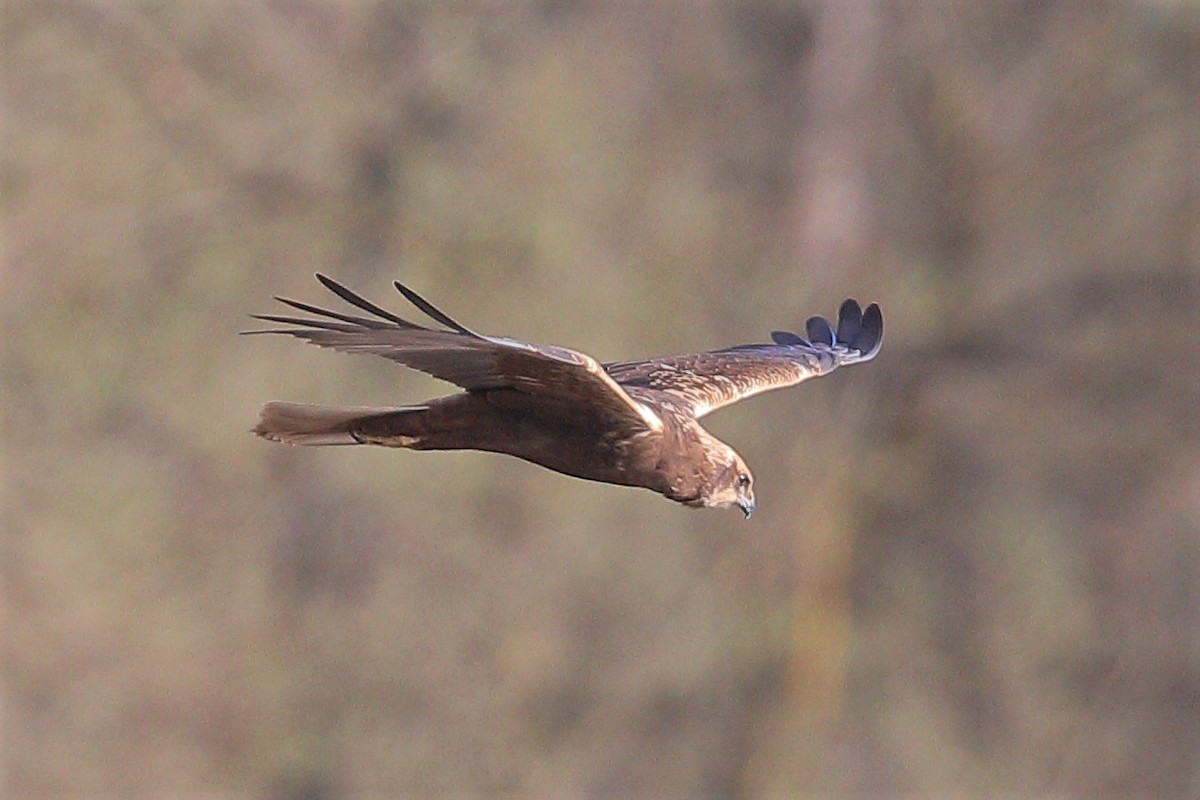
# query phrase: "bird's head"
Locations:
[[732, 484]]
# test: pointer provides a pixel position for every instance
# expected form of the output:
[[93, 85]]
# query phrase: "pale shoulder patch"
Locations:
[[653, 421]]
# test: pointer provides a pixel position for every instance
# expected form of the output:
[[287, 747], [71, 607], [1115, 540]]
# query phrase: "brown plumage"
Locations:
[[632, 423]]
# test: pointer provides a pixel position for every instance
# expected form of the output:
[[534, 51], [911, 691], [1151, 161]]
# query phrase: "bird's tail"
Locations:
[[297, 423]]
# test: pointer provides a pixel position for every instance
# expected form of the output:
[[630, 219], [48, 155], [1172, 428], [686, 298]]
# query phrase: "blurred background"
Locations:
[[975, 569]]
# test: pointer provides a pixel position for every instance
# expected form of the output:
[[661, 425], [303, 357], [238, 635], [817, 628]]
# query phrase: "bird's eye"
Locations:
[[743, 480]]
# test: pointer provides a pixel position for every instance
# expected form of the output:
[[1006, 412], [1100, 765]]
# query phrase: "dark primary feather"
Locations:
[[704, 382], [820, 332], [788, 338], [561, 378], [433, 312], [354, 300]]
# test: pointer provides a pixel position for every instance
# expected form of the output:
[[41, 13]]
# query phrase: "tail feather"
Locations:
[[298, 423]]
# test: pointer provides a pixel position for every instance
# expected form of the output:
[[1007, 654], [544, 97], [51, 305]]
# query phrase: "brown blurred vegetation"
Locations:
[[976, 566]]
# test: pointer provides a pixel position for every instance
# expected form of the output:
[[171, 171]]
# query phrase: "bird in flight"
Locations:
[[633, 423]]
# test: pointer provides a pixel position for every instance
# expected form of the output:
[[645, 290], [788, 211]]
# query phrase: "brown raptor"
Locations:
[[633, 423]]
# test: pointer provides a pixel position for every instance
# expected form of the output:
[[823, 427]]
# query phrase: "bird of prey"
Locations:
[[634, 423]]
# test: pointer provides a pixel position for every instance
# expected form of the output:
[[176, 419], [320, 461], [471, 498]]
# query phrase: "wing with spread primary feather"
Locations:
[[704, 382], [559, 376]]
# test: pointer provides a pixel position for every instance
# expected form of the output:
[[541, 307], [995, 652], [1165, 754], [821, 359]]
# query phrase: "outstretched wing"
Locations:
[[561, 378], [704, 382]]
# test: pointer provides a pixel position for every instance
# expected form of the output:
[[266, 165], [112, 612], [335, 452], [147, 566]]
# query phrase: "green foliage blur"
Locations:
[[975, 568]]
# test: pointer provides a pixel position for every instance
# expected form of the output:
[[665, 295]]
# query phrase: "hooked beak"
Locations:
[[747, 507]]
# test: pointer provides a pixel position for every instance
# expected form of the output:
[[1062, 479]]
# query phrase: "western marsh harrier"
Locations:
[[633, 423]]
